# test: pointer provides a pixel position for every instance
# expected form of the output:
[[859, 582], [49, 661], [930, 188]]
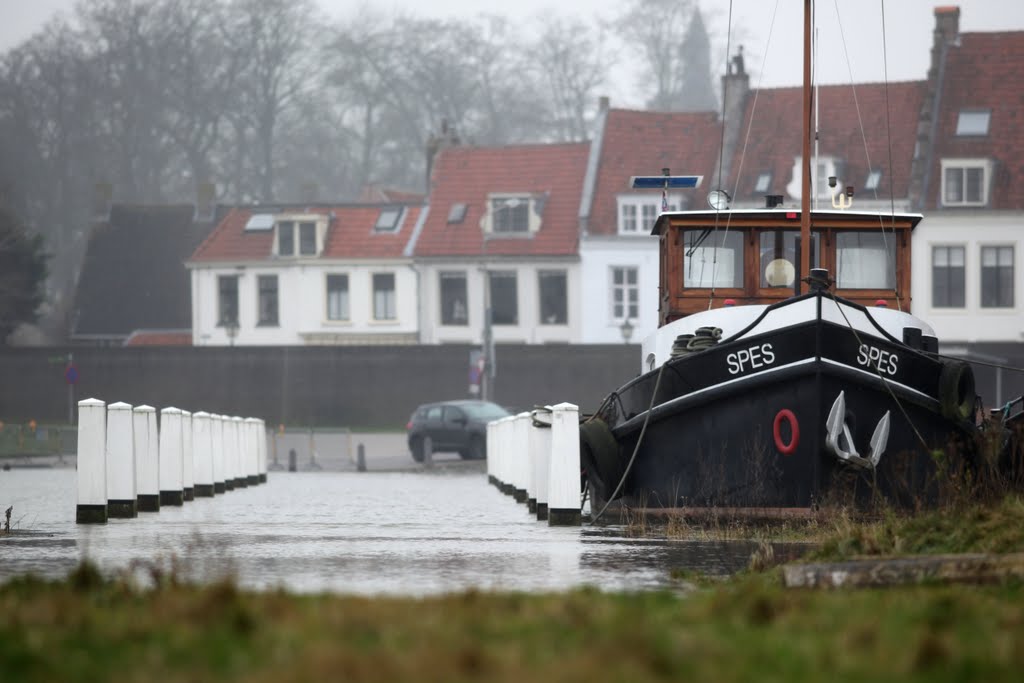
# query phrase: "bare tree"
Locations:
[[656, 29]]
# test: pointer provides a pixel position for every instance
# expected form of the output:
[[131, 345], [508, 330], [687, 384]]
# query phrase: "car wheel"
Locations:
[[477, 449], [416, 448]]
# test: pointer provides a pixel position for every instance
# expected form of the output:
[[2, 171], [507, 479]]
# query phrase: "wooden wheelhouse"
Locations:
[[754, 257]]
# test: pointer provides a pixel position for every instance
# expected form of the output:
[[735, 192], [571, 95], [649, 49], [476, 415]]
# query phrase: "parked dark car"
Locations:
[[459, 426]]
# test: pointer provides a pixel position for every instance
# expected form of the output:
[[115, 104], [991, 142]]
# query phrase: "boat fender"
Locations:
[[794, 427], [956, 390], [599, 453]]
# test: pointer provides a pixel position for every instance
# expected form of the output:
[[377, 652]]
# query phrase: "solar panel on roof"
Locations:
[[658, 182]]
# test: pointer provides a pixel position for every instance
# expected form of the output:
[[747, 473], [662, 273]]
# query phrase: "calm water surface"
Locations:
[[369, 533]]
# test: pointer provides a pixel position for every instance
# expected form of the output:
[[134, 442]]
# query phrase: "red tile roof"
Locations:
[[469, 174], [984, 72], [644, 142], [774, 140], [159, 338], [350, 234]]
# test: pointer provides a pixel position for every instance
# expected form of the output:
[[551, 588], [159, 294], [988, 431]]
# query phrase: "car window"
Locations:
[[452, 414], [434, 413], [486, 411]]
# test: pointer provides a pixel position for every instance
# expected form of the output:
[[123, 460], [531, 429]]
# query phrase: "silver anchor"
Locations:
[[840, 442]]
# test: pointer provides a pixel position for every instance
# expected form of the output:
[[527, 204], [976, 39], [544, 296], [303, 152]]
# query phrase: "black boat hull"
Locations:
[[757, 437]]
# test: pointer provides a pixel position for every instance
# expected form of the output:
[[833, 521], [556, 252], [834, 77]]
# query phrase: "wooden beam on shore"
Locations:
[[894, 571]]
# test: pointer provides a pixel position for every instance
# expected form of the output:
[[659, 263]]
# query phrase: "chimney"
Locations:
[[945, 34], [735, 88], [206, 195], [435, 143], [603, 103]]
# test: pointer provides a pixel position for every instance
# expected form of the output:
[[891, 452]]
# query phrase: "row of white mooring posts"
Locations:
[[127, 463], [535, 458]]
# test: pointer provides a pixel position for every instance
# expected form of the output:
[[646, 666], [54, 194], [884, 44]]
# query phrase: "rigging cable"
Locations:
[[721, 156]]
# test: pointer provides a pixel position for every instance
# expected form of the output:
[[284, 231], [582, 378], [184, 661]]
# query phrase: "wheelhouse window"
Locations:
[[504, 298], [948, 277], [712, 258], [625, 294], [453, 299], [780, 257], [553, 308], [227, 300], [337, 297], [267, 300], [997, 277], [384, 296], [865, 260]]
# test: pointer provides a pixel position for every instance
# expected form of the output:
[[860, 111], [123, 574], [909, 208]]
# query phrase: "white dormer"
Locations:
[[299, 235], [828, 166], [511, 214]]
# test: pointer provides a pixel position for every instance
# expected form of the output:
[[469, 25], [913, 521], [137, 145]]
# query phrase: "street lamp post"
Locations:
[[231, 329], [627, 330]]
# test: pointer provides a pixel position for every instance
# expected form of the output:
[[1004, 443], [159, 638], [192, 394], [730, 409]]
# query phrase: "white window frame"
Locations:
[[635, 205], [318, 220], [391, 303], [626, 288], [533, 218], [963, 165], [348, 298]]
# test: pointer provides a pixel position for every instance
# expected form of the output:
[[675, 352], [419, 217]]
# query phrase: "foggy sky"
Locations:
[[908, 25]]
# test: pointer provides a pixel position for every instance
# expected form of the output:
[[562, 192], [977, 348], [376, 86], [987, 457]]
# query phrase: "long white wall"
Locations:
[[529, 330], [302, 303], [598, 255], [971, 230]]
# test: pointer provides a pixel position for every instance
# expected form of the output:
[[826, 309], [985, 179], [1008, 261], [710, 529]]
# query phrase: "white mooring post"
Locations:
[[217, 444], [121, 501], [252, 453], [489, 447], [261, 447], [227, 436], [521, 438], [503, 434], [238, 435], [147, 460], [564, 473], [540, 456], [188, 475], [172, 488], [92, 462], [202, 455]]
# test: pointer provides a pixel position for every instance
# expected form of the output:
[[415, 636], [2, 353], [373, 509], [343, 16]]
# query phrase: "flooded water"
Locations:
[[409, 533]]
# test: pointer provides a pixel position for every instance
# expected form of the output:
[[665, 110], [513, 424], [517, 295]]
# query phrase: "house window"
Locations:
[[873, 179], [510, 214], [453, 299], [948, 277], [780, 257], [337, 297], [865, 260], [763, 182], [974, 122], [307, 239], [504, 298], [712, 258], [267, 300], [638, 213], [997, 277], [389, 219], [553, 307], [384, 296], [227, 300], [625, 293], [286, 238], [964, 183]]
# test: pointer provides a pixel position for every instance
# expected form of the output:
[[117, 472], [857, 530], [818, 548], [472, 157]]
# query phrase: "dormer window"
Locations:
[[389, 219], [973, 122], [965, 182], [300, 235], [457, 213], [638, 213], [826, 168], [764, 180], [512, 214]]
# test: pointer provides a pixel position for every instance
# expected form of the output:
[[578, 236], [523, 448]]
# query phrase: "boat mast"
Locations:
[[805, 181]]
